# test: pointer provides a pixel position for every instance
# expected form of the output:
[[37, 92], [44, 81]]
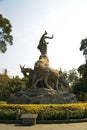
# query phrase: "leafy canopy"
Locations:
[[83, 46], [5, 36]]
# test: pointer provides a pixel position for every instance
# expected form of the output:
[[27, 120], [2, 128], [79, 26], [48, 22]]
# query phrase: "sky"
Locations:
[[65, 19]]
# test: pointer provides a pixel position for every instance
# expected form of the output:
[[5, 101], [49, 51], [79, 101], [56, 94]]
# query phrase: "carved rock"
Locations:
[[43, 96], [46, 85]]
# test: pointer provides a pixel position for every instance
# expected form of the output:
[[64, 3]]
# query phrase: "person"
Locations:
[[43, 44]]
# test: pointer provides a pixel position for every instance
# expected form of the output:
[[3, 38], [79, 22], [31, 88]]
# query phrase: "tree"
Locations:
[[83, 47], [71, 76], [80, 87], [16, 84], [9, 86], [5, 36], [4, 79], [83, 70]]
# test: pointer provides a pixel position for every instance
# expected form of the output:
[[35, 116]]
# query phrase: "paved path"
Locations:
[[71, 126]]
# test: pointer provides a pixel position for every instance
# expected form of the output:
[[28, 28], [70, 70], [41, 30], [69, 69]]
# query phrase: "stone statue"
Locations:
[[46, 85], [43, 44], [45, 74], [42, 75], [26, 71]]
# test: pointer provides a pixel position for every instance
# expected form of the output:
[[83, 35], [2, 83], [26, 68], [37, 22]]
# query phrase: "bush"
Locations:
[[50, 111]]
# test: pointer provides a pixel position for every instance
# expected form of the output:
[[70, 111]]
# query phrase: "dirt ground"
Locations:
[[70, 126]]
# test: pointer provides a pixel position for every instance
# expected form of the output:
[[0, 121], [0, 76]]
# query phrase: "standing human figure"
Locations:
[[43, 44]]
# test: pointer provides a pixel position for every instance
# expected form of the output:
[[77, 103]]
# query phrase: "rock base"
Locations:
[[42, 96]]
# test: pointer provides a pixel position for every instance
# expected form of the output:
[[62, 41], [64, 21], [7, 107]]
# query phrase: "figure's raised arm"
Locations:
[[49, 37]]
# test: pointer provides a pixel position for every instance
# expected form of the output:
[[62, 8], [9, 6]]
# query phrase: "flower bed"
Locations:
[[49, 111]]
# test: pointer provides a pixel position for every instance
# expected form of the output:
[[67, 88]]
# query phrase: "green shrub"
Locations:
[[50, 111]]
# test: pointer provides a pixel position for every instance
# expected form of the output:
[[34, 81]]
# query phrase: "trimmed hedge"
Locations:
[[50, 111]]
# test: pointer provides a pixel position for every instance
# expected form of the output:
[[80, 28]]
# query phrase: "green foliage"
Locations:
[[7, 114], [80, 86], [71, 76], [5, 36], [9, 86], [25, 80], [83, 70], [83, 46], [16, 84], [50, 111], [80, 89], [3, 86]]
